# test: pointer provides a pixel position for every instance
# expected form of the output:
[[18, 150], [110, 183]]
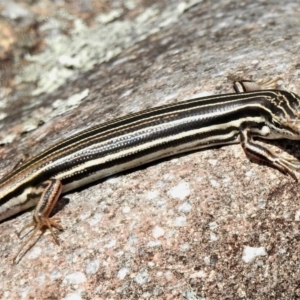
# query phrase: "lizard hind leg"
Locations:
[[51, 193], [243, 86]]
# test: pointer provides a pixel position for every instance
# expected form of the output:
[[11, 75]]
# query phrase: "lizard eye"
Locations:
[[277, 123]]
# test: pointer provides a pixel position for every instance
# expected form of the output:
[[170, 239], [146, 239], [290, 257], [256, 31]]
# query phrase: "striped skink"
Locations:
[[140, 138]]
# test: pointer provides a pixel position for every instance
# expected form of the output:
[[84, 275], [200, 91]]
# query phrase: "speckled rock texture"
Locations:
[[207, 225]]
